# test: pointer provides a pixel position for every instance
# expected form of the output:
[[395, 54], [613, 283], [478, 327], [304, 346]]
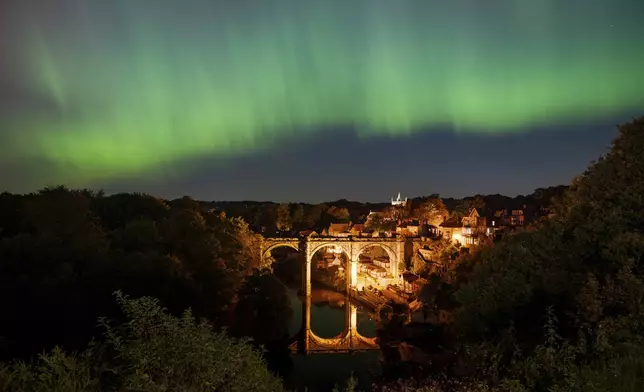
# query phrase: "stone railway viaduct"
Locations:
[[349, 340]]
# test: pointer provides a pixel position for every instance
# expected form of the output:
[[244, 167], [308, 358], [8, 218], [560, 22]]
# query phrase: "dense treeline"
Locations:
[[269, 217], [560, 308], [64, 252]]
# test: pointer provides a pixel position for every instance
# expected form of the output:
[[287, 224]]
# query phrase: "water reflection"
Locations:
[[320, 372], [328, 314]]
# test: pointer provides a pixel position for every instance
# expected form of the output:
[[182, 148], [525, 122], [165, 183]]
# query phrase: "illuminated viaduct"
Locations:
[[352, 247]]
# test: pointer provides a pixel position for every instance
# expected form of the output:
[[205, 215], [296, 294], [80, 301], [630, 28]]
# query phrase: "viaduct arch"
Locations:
[[268, 246], [349, 339], [352, 247]]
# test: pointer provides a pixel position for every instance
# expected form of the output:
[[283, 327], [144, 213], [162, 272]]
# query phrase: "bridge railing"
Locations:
[[334, 238]]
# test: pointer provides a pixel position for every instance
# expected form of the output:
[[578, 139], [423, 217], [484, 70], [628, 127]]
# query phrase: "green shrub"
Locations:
[[152, 351], [54, 372]]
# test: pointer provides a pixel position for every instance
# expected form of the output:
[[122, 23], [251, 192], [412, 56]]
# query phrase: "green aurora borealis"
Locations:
[[124, 86]]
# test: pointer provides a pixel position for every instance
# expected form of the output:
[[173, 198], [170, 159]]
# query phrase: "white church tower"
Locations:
[[398, 201]]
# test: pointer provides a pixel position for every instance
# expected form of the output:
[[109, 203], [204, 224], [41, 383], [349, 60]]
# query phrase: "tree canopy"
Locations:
[[65, 251]]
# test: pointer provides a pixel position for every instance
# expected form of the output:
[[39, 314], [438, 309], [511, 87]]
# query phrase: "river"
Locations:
[[320, 372]]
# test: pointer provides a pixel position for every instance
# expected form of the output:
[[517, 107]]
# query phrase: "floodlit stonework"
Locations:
[[351, 247], [349, 340]]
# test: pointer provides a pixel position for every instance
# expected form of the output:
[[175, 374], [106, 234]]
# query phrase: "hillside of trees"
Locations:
[[63, 253]]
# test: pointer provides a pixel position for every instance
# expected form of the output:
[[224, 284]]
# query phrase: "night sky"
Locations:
[[303, 100]]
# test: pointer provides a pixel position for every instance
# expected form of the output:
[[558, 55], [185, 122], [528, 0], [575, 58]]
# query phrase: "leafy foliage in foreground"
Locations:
[[152, 351]]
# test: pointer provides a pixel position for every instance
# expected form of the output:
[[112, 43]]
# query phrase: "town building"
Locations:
[[339, 230], [469, 230], [473, 227], [493, 224], [511, 218], [516, 218], [451, 229], [357, 229], [408, 230], [410, 282]]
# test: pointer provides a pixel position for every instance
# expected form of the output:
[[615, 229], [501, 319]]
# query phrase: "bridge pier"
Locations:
[[306, 323], [306, 278], [351, 325], [350, 275], [306, 291], [353, 274]]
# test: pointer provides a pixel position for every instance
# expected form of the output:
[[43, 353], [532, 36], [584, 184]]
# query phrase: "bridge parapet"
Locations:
[[339, 239]]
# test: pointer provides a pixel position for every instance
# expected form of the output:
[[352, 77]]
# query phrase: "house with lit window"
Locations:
[[473, 227], [473, 219], [451, 229], [408, 230], [493, 224], [511, 217], [467, 231], [516, 217]]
